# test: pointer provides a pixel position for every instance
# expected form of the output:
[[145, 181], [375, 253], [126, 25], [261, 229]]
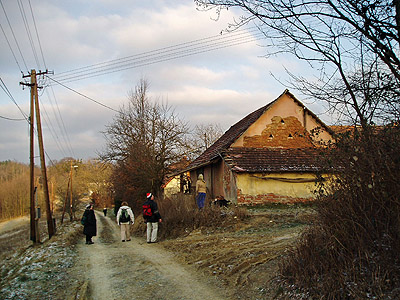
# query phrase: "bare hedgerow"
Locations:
[[180, 216], [352, 252]]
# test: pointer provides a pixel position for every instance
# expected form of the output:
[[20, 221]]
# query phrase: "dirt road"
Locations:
[[137, 270]]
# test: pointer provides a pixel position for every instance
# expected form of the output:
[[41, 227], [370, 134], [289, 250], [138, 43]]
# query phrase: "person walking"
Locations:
[[125, 218], [105, 211], [89, 224], [201, 190], [151, 217]]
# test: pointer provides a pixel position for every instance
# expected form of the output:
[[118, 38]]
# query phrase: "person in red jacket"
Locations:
[[151, 217]]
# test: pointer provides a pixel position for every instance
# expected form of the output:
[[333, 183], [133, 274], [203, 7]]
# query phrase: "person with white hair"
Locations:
[[201, 189]]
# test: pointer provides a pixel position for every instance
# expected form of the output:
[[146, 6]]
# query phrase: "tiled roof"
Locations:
[[235, 131], [273, 159], [228, 137]]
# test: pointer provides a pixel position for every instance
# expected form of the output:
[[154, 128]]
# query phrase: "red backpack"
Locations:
[[147, 211]]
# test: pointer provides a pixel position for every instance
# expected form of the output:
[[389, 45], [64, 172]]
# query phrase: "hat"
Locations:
[[88, 206], [148, 195]]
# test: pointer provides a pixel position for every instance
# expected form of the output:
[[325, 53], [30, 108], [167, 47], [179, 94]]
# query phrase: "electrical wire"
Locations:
[[160, 50], [61, 125], [12, 119], [49, 124], [87, 97], [12, 31], [28, 31], [156, 56], [8, 93], [37, 34], [9, 46]]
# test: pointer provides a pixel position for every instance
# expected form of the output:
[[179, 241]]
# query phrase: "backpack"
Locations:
[[124, 217], [147, 211]]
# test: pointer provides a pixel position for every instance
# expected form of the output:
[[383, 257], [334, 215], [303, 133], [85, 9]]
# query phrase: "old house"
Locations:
[[271, 155]]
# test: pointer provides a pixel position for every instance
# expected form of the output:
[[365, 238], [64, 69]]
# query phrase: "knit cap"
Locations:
[[148, 195]]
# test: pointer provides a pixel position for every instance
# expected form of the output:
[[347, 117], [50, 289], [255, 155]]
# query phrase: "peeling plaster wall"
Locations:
[[229, 184], [281, 133], [285, 107], [252, 189]]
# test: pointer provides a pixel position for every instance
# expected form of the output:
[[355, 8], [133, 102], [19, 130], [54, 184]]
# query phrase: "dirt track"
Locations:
[[137, 270]]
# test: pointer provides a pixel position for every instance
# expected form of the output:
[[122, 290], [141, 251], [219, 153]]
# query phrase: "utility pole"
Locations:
[[35, 103]]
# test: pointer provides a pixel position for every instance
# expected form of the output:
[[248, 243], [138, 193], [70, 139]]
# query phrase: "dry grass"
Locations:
[[181, 216]]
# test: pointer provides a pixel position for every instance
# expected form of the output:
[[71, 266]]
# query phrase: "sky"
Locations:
[[207, 75]]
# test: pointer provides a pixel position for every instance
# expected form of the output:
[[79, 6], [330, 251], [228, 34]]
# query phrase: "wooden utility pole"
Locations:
[[34, 95], [32, 162], [70, 195]]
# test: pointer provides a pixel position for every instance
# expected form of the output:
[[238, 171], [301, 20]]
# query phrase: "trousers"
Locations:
[[125, 232], [152, 230]]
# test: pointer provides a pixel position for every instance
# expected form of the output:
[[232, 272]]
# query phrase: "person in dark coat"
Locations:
[[89, 224], [151, 217]]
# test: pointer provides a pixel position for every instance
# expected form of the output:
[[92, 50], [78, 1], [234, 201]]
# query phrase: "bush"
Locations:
[[181, 216], [352, 252]]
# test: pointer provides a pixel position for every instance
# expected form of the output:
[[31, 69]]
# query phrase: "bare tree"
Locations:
[[143, 139], [202, 137], [353, 46]]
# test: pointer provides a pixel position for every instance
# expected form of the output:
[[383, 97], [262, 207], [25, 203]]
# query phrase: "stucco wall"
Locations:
[[278, 187], [284, 108], [173, 187]]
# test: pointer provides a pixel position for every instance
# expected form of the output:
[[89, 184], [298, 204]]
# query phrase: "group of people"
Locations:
[[125, 218]]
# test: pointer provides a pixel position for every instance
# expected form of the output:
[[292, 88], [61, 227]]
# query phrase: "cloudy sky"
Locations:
[[101, 49]]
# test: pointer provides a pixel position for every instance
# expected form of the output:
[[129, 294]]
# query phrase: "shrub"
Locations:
[[181, 216], [352, 252]]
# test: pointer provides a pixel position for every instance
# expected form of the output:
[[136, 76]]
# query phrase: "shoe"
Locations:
[[128, 240], [123, 240], [90, 243], [148, 242]]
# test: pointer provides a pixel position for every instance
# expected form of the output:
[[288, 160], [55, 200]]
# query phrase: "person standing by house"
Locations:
[[201, 190], [125, 218], [151, 217], [89, 224]]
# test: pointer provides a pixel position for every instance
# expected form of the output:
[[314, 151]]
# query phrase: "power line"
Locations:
[[28, 31], [12, 31], [87, 97], [52, 130], [8, 93], [61, 125], [160, 55], [37, 33], [160, 50], [12, 119], [9, 46]]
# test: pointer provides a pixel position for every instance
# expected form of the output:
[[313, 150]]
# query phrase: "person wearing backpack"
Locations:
[[125, 218], [151, 217]]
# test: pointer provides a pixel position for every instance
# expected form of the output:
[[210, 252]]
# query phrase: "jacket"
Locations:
[[89, 228], [201, 186], [129, 210], [154, 208]]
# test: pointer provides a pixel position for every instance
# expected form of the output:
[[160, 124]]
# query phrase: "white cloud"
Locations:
[[220, 86]]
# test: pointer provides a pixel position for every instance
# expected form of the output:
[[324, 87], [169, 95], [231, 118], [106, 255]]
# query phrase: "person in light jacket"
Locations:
[[125, 218], [201, 190]]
